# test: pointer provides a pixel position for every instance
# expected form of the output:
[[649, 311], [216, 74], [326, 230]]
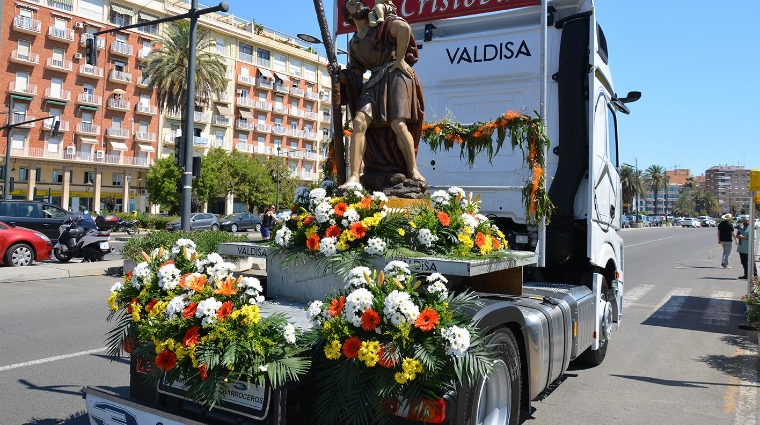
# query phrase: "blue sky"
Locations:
[[695, 62]]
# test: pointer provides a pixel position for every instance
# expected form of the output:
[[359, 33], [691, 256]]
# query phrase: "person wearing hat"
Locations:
[[742, 235], [726, 238]]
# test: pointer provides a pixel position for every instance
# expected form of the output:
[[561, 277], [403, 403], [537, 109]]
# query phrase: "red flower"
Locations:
[[496, 244], [336, 306], [370, 320], [333, 232], [340, 209], [313, 242], [308, 220], [166, 360], [129, 275], [386, 359], [166, 263], [191, 337], [480, 239], [351, 347], [358, 230], [443, 218], [131, 303], [224, 311], [189, 311], [150, 305], [202, 372], [427, 320]]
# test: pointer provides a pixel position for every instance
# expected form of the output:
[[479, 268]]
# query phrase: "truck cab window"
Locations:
[[612, 136]]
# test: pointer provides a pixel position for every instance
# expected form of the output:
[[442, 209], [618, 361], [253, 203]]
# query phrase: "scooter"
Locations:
[[126, 226], [81, 238]]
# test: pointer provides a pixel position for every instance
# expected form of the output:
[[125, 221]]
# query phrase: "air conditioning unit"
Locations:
[[143, 191], [78, 56], [78, 25], [70, 150], [100, 154]]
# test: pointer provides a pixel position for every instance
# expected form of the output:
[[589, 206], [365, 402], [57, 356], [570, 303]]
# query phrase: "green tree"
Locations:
[[632, 184], [208, 186], [684, 205], [161, 182], [656, 179], [254, 184]]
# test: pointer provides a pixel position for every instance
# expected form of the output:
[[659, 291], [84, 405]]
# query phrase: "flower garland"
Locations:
[[526, 132]]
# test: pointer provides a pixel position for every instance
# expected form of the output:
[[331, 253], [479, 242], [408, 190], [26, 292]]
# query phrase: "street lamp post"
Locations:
[[129, 189], [277, 194]]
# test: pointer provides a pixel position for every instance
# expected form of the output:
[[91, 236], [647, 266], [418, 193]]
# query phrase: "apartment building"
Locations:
[[730, 184], [111, 131]]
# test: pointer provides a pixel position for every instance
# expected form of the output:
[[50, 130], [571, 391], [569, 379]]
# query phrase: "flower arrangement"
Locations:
[[526, 132], [753, 301], [195, 322], [385, 337]]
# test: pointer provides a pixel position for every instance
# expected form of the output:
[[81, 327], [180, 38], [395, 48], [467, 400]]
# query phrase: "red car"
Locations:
[[20, 246]]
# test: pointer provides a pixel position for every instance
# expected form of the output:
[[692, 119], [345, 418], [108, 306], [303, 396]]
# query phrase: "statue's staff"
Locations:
[[337, 115]]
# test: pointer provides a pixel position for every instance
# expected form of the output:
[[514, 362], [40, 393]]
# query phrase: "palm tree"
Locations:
[[656, 179], [167, 64], [632, 183]]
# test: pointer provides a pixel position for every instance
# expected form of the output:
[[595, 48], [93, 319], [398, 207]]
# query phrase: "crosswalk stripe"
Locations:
[[636, 293], [718, 308], [669, 306]]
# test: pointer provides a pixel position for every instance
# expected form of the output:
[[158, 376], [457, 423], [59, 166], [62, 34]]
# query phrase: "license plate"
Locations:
[[104, 245]]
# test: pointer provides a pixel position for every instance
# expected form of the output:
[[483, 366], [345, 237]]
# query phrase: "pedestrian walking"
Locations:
[[726, 238], [268, 221], [742, 236]]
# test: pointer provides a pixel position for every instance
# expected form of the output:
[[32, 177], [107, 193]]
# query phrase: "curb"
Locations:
[[46, 271]]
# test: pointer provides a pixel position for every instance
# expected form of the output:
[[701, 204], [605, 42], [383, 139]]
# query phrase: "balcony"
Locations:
[[295, 91], [59, 65], [280, 130], [201, 117], [325, 117], [246, 102], [221, 120], [312, 95], [173, 114], [246, 80], [265, 150], [119, 105], [144, 109], [229, 75], [120, 48], [27, 25], [312, 116], [120, 77], [200, 141], [47, 125], [297, 154], [117, 133], [145, 136], [245, 57], [143, 53], [279, 108], [61, 34], [324, 96], [312, 156], [100, 42], [222, 50], [57, 94], [25, 58], [263, 128], [263, 83], [223, 97], [281, 88], [299, 134], [19, 118], [245, 125], [25, 89], [245, 147], [221, 143], [90, 71], [87, 129], [143, 81], [311, 136], [89, 99], [297, 112], [264, 63], [263, 105]]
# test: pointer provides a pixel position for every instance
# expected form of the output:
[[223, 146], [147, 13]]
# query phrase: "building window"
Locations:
[[57, 176], [120, 15], [66, 5], [149, 28], [278, 62], [245, 52], [118, 179], [89, 177], [262, 58]]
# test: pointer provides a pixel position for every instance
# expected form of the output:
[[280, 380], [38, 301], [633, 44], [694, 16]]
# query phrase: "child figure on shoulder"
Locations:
[[382, 9]]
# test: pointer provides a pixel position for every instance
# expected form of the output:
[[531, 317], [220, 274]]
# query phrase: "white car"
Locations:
[[690, 222]]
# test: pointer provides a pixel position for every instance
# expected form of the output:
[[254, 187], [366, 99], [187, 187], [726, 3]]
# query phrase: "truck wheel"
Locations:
[[596, 357], [61, 256], [495, 399]]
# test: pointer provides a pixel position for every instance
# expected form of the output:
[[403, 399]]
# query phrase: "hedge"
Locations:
[[205, 241]]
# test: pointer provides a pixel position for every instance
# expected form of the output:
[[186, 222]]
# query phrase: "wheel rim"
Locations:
[[234, 228], [494, 402], [22, 256]]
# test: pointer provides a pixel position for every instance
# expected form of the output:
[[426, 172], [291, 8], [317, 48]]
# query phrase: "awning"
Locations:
[[57, 102], [223, 110], [19, 97], [283, 76], [66, 2], [266, 73], [88, 140], [122, 10], [246, 114], [89, 108], [146, 148], [147, 16], [119, 146]]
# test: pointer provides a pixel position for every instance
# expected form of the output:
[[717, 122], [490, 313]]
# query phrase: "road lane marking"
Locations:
[[644, 243], [746, 403], [729, 401], [669, 306], [51, 359], [636, 293], [718, 308]]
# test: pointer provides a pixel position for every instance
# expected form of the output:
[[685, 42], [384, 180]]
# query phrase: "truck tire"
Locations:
[[495, 399], [596, 357]]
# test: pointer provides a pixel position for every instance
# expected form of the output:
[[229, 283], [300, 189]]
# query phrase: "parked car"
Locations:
[[708, 222], [35, 215], [655, 220], [22, 247], [690, 222], [643, 220], [198, 221], [240, 221], [625, 222]]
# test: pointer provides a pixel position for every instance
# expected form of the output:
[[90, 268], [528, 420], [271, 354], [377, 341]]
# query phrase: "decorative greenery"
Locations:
[[386, 338], [187, 314], [753, 301], [205, 241], [526, 132]]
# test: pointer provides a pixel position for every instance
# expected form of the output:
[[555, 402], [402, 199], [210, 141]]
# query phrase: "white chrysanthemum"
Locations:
[[282, 236], [175, 306], [250, 289], [317, 196], [437, 285], [470, 222], [379, 196], [220, 270], [426, 237], [328, 246], [117, 287], [284, 215], [323, 212], [214, 258], [314, 313], [399, 308], [356, 277], [466, 205], [356, 302], [481, 218], [458, 339], [350, 217], [182, 243], [353, 187], [207, 307], [140, 274], [290, 334], [455, 191], [375, 246], [168, 277], [398, 269], [302, 196], [440, 198]]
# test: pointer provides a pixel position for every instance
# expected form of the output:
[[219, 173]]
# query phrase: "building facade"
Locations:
[[730, 185], [111, 130]]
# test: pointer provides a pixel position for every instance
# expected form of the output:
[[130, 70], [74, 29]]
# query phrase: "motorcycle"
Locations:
[[82, 238], [126, 226]]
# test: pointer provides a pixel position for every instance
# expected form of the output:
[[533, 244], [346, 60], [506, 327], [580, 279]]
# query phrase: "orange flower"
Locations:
[[313, 242], [426, 126], [511, 115], [366, 202], [194, 282], [166, 360], [308, 220], [166, 263], [191, 337], [427, 320], [333, 232], [477, 134], [443, 218], [202, 371], [132, 303], [437, 130], [351, 347], [336, 306], [480, 239], [189, 311], [358, 230], [370, 320], [129, 275], [340, 209], [348, 133], [496, 244], [386, 359], [226, 287], [224, 311], [150, 305]]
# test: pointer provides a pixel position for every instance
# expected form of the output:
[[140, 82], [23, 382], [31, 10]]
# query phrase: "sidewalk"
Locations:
[[57, 270]]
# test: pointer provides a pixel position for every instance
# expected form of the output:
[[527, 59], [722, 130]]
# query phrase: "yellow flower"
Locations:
[[159, 309], [332, 351], [371, 222], [193, 358], [181, 352], [112, 301], [348, 236], [135, 312], [368, 353], [400, 378], [411, 223], [401, 231], [311, 231], [250, 314], [342, 246]]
